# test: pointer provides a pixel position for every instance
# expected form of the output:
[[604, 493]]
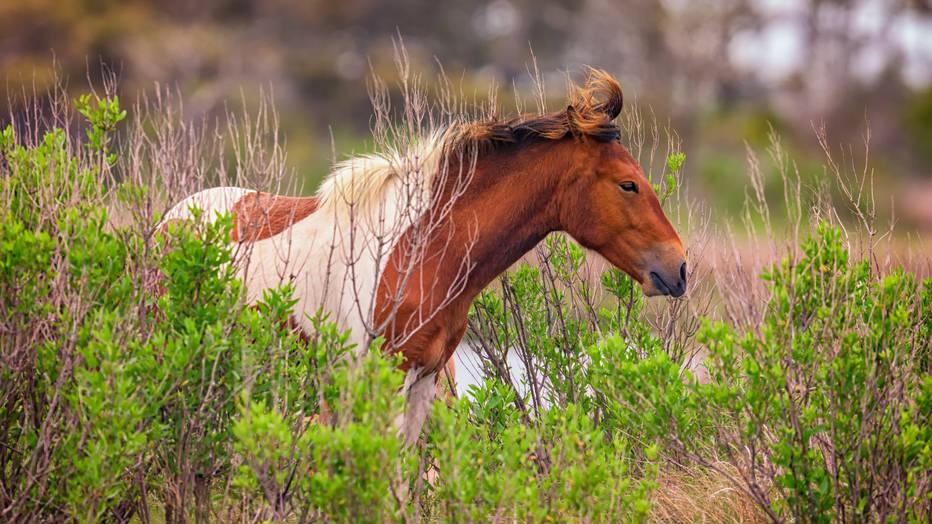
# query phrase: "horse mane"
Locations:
[[358, 181], [591, 112]]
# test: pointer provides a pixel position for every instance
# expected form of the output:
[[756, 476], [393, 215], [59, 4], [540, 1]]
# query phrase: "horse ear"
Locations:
[[572, 118]]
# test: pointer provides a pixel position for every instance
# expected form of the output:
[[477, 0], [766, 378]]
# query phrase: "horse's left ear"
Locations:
[[572, 118]]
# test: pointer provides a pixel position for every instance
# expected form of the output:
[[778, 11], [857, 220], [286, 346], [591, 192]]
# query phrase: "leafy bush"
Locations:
[[137, 384], [827, 395], [132, 370], [492, 466]]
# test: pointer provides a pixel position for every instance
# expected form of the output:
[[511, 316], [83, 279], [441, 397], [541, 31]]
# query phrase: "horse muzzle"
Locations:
[[665, 280]]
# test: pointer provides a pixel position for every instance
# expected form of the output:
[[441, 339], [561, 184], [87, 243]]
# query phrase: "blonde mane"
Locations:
[[358, 183]]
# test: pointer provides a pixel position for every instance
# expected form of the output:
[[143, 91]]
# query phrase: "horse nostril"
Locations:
[[683, 273]]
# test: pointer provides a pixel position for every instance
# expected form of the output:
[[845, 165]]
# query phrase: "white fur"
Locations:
[[212, 202], [335, 255], [421, 391]]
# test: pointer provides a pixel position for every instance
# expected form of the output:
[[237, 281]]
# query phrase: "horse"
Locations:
[[398, 244]]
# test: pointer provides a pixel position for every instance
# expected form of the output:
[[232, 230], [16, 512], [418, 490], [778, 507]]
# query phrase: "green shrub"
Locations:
[[562, 467], [353, 467], [827, 394], [136, 383]]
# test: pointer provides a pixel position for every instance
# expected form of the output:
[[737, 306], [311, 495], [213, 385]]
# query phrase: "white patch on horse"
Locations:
[[419, 394], [335, 256], [212, 202]]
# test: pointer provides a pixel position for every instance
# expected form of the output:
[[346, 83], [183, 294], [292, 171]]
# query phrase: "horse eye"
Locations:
[[630, 187]]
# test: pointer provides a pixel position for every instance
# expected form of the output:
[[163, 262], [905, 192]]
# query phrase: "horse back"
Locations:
[[257, 215], [261, 215]]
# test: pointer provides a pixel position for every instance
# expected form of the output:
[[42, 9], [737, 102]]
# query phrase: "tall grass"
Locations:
[[138, 386]]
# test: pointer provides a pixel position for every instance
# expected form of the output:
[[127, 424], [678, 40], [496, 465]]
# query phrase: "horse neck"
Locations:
[[508, 207], [512, 204]]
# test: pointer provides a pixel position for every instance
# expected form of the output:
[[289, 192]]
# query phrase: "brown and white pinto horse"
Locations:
[[399, 244]]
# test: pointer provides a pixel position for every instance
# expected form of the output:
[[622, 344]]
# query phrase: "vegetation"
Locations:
[[720, 74], [137, 385]]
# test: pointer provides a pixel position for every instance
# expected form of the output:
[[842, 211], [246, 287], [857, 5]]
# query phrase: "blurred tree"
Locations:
[[838, 61]]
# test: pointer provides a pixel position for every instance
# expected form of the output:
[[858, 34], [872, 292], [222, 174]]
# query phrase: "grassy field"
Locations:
[[792, 384]]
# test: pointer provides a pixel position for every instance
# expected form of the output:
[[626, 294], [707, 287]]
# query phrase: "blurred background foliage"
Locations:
[[725, 75]]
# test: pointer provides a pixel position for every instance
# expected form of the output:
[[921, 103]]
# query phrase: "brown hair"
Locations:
[[591, 112]]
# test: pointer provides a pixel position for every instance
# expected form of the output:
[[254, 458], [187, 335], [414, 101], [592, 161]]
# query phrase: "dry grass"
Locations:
[[702, 495]]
